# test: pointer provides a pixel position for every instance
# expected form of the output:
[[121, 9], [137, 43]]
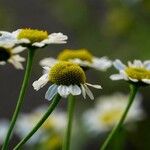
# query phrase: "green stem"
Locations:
[[55, 101], [71, 107], [133, 91], [21, 97]]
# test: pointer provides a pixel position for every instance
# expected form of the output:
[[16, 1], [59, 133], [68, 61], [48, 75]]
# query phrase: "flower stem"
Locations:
[[55, 101], [133, 91], [21, 97], [71, 106]]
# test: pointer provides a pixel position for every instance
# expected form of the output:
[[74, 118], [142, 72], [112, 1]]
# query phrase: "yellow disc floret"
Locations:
[[5, 54], [82, 54], [33, 35], [67, 73], [138, 73]]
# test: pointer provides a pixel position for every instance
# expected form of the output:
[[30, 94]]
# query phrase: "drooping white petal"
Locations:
[[88, 92], [40, 82], [119, 65], [15, 63], [116, 77], [147, 81], [63, 90], [74, 90], [133, 80], [101, 63], [83, 91], [18, 49], [18, 58], [48, 61], [94, 86], [51, 92], [80, 62], [26, 41]]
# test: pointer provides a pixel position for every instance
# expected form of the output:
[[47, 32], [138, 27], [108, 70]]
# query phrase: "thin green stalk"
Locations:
[[21, 97], [133, 91], [55, 101], [71, 107]]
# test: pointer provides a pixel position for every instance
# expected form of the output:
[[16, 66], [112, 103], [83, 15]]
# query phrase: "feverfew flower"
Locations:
[[137, 72], [3, 130], [81, 57], [67, 78], [55, 124], [9, 53], [33, 37], [109, 110]]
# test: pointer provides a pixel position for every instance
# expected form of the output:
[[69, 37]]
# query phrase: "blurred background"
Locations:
[[117, 29]]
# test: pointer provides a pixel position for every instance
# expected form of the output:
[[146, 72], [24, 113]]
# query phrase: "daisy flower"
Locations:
[[9, 53], [137, 72], [33, 37], [3, 129], [109, 110], [55, 124], [81, 57], [67, 78]]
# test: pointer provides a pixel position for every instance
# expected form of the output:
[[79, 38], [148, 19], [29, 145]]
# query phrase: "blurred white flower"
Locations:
[[81, 57], [3, 130], [33, 37], [55, 124], [9, 53], [136, 72], [109, 110]]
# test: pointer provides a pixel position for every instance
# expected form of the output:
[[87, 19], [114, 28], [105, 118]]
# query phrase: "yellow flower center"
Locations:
[[138, 73], [82, 54], [111, 117], [66, 73], [33, 35], [5, 54]]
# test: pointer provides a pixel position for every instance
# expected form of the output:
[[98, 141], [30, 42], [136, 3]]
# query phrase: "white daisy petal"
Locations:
[[133, 80], [137, 63], [63, 90], [147, 64], [116, 77], [101, 63], [15, 63], [38, 44], [40, 82], [88, 92], [146, 81], [2, 62], [74, 90], [18, 58], [94, 86], [56, 38], [119, 65], [48, 61], [83, 91], [18, 49], [51, 92]]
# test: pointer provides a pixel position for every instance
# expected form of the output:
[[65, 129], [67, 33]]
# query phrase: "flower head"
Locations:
[[137, 72], [9, 53], [67, 78], [81, 57], [33, 37], [54, 125], [109, 110]]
